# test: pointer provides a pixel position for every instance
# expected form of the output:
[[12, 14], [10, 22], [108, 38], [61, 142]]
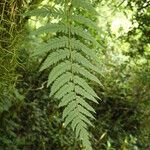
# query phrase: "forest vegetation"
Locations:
[[74, 74]]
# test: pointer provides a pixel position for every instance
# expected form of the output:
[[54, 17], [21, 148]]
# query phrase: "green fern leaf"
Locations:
[[81, 59], [76, 121], [81, 132], [67, 88], [76, 112], [84, 136], [67, 98], [79, 121], [70, 107], [84, 4], [58, 70], [45, 11], [41, 12], [59, 27], [71, 116], [85, 94], [85, 21], [85, 119], [85, 112], [84, 34], [51, 28], [55, 43], [59, 82], [78, 125], [55, 57], [81, 82], [82, 102], [85, 73], [73, 63], [80, 46]]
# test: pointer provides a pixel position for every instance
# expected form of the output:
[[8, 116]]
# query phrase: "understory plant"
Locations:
[[69, 55]]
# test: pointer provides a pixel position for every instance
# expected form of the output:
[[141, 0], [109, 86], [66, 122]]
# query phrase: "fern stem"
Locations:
[[69, 13], [69, 30], [69, 21]]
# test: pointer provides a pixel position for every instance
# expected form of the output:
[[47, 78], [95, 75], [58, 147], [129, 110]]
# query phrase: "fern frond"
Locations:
[[70, 107], [85, 119], [82, 102], [40, 12], [85, 21], [85, 73], [84, 135], [81, 82], [67, 88], [84, 34], [85, 112], [55, 57], [74, 114], [45, 11], [59, 82], [87, 51], [50, 28], [83, 93], [58, 70], [77, 116], [85, 4], [71, 116], [73, 63], [67, 98], [75, 122], [59, 27], [86, 63], [54, 43]]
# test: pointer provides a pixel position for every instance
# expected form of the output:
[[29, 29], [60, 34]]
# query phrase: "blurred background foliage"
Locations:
[[29, 119]]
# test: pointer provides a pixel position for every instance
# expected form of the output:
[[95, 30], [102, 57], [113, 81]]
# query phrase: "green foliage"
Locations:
[[70, 58], [30, 119]]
